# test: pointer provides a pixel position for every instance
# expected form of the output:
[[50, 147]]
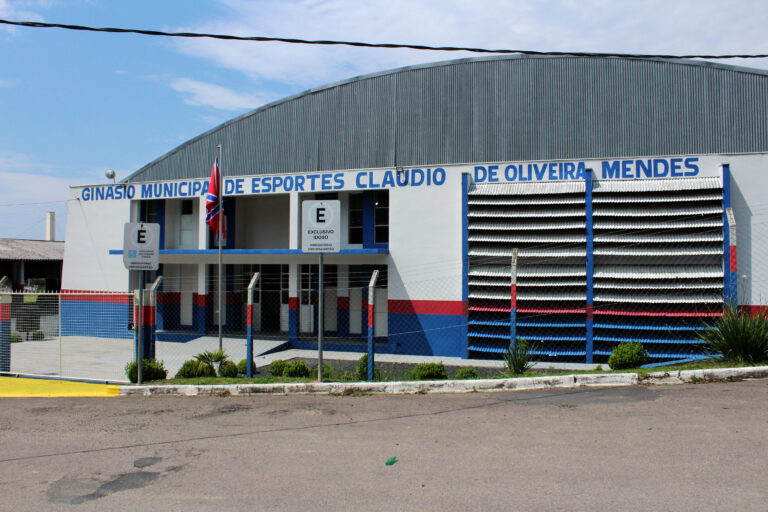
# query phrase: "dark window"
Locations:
[[356, 218], [381, 216], [186, 207]]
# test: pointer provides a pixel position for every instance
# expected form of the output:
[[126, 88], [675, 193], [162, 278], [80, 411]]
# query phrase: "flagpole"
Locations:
[[221, 217]]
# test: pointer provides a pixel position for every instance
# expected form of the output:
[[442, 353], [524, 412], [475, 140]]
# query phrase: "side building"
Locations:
[[628, 189]]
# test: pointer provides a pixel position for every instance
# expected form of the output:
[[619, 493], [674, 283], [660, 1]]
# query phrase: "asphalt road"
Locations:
[[691, 447]]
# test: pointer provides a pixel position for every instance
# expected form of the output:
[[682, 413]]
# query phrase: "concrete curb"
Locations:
[[452, 386]]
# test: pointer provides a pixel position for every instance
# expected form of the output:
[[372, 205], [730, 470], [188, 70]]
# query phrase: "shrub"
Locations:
[[16, 337], [738, 336], [151, 369], [37, 336], [296, 369], [277, 367], [429, 371], [228, 369], [194, 368], [242, 366], [361, 371], [466, 372], [327, 372], [518, 358], [630, 354]]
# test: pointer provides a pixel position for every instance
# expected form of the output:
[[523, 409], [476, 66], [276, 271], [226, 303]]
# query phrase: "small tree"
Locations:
[[738, 336], [212, 358], [518, 358]]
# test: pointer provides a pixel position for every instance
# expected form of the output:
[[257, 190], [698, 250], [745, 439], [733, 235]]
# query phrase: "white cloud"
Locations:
[[17, 11], [207, 94], [653, 26]]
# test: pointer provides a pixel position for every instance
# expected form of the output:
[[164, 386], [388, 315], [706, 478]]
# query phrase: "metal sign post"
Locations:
[[249, 341], [371, 325], [321, 233], [141, 249]]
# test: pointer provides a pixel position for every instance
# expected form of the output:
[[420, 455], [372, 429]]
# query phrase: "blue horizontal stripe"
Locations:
[[534, 339], [540, 352], [489, 322], [656, 355], [542, 324], [651, 340], [650, 327]]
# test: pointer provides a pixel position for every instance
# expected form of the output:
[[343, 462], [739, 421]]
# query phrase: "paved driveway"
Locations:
[[689, 447]]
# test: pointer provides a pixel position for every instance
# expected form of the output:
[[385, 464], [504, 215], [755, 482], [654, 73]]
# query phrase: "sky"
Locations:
[[73, 104]]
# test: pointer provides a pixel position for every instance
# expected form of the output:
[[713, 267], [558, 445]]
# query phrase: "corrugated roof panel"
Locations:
[[527, 238], [551, 270], [505, 225], [682, 250], [538, 295], [490, 294], [522, 201], [478, 281], [490, 270], [656, 198], [30, 250], [472, 110], [657, 185], [526, 253], [691, 223], [655, 212], [555, 283], [517, 214], [658, 271], [659, 285], [667, 298], [658, 238], [519, 189]]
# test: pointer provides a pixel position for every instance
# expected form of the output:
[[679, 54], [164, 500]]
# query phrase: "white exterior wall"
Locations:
[[93, 228], [425, 240]]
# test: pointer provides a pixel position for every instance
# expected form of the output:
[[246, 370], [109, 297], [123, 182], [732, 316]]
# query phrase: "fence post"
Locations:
[[152, 317], [249, 344], [371, 301], [513, 301], [61, 341], [5, 330]]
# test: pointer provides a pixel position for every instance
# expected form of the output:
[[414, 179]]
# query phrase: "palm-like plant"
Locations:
[[738, 336], [519, 358], [212, 359]]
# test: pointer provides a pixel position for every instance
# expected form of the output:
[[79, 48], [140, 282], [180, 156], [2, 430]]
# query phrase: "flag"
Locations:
[[213, 202]]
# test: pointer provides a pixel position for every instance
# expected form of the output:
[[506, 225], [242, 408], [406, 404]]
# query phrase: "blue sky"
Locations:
[[73, 104]]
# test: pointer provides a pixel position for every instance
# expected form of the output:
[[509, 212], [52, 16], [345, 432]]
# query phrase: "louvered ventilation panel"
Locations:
[[546, 223], [658, 253]]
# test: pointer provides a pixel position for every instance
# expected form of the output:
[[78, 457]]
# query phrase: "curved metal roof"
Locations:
[[490, 109]]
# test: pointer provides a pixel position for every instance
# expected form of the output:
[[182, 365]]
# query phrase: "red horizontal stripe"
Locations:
[[169, 298], [104, 298], [494, 310], [753, 309], [734, 265], [342, 302], [558, 311], [293, 303], [250, 315], [428, 307], [370, 315], [5, 312], [200, 299], [514, 296]]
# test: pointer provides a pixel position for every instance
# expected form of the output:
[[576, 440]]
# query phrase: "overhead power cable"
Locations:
[[290, 40]]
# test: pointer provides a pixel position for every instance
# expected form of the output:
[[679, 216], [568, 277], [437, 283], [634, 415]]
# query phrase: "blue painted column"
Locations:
[[590, 264], [513, 301], [465, 262], [730, 266]]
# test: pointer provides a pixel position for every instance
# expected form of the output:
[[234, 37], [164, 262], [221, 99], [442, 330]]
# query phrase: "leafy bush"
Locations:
[[15, 337], [151, 369], [361, 371], [518, 358], [630, 354], [327, 372], [466, 372], [37, 336], [194, 368], [277, 367], [228, 369], [429, 371], [296, 369], [738, 336], [242, 366]]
